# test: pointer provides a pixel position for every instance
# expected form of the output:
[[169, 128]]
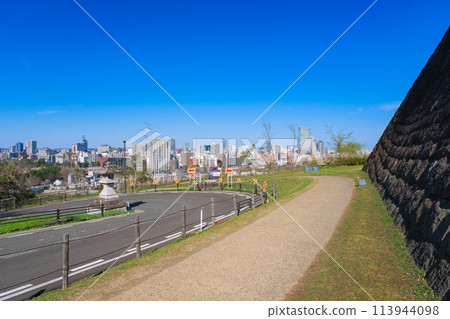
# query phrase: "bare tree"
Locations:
[[268, 135]]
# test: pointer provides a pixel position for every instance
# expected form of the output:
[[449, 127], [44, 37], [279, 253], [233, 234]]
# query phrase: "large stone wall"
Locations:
[[410, 168]]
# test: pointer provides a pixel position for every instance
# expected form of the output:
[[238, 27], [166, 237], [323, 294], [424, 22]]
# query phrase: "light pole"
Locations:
[[125, 165]]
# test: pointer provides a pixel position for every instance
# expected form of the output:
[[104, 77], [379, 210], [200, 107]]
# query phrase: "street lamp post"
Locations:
[[125, 165]]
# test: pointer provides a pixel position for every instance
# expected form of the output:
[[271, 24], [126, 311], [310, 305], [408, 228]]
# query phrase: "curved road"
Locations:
[[27, 269]]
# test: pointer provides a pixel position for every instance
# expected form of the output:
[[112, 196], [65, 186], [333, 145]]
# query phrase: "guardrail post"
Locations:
[[213, 213], [273, 190], [65, 267], [40, 200], [57, 214], [253, 201], [178, 187], [238, 208], [234, 202], [183, 220], [138, 237], [102, 209]]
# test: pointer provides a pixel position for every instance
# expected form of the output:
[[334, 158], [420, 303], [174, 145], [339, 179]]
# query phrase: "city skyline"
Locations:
[[224, 63]]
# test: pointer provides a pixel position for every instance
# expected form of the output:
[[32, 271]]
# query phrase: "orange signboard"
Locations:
[[176, 181], [229, 170], [131, 184], [239, 180], [255, 181], [154, 182], [191, 170]]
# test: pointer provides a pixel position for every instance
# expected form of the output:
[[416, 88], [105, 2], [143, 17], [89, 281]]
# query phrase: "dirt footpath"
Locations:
[[261, 261]]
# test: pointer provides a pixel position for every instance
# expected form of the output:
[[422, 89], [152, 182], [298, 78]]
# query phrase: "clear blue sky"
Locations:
[[224, 61]]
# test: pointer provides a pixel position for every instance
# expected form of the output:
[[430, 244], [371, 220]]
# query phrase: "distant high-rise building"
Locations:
[[172, 145], [185, 157], [276, 151], [19, 147], [186, 147], [75, 148], [158, 155], [215, 148], [80, 147], [139, 149], [321, 147], [305, 140], [31, 148], [12, 149], [83, 145]]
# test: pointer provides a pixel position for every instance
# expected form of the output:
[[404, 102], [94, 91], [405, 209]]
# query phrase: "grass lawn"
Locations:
[[50, 220], [370, 248]]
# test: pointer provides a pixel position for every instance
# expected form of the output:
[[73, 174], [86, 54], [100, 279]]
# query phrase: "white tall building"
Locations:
[[139, 149], [31, 147], [215, 148], [306, 143], [158, 155]]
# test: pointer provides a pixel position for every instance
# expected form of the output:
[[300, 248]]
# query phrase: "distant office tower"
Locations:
[[83, 145], [12, 149], [321, 147], [215, 148], [172, 145], [31, 147], [185, 157], [305, 140], [186, 147], [158, 155], [19, 147], [80, 147], [276, 151], [139, 149]]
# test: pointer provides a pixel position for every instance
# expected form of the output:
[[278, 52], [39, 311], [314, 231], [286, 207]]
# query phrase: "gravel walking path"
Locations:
[[261, 261]]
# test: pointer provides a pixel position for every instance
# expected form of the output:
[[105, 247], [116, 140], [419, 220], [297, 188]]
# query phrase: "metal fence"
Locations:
[[7, 204], [135, 238], [54, 214]]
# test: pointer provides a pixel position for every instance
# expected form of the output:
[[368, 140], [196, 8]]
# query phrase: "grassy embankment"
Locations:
[[366, 243], [50, 220], [370, 248]]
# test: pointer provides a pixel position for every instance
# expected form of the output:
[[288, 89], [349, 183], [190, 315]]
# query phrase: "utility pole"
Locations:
[[125, 165]]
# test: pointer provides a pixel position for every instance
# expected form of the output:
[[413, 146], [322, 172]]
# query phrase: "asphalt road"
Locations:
[[31, 261]]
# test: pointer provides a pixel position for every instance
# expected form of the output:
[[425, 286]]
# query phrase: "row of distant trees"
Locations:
[[16, 177]]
